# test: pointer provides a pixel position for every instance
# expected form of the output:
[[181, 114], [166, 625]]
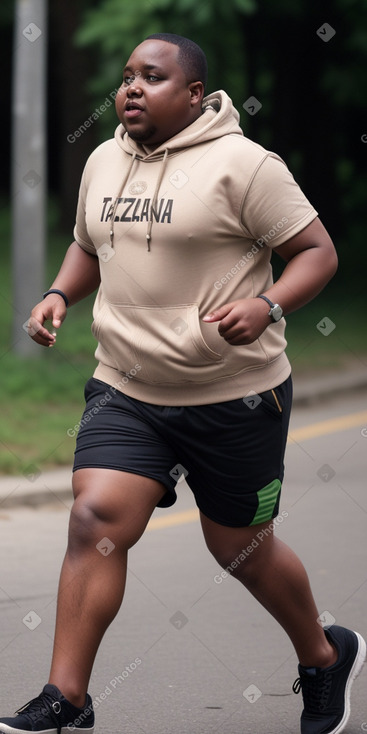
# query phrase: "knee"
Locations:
[[243, 567], [92, 521], [110, 505], [86, 527], [244, 564]]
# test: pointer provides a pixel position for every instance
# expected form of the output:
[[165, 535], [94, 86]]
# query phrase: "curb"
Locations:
[[35, 488], [323, 387]]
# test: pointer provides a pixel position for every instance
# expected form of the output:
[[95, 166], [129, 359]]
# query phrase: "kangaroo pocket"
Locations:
[[166, 343]]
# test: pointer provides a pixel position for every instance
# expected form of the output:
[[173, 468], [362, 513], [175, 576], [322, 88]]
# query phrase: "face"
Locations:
[[155, 101]]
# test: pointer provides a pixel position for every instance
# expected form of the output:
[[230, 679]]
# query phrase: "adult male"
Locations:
[[177, 202]]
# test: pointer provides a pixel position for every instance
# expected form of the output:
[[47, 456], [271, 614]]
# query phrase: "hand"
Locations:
[[241, 322], [53, 309]]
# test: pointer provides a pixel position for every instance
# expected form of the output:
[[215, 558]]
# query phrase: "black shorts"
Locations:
[[231, 454]]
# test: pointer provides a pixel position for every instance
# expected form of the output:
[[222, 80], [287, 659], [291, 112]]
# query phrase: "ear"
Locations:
[[196, 90]]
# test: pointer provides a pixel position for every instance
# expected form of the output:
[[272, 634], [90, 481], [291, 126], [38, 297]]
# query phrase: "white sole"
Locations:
[[355, 670]]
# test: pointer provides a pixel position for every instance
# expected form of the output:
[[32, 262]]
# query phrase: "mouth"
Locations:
[[133, 109]]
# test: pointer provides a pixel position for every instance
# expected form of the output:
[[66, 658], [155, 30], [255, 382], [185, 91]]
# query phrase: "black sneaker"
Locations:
[[326, 691], [50, 713]]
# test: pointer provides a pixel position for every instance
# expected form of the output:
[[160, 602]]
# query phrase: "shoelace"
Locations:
[[315, 690], [42, 705]]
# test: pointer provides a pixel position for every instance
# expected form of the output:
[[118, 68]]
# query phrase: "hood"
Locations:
[[219, 118]]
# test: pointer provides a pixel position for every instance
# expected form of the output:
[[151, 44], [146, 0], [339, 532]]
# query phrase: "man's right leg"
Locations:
[[113, 507]]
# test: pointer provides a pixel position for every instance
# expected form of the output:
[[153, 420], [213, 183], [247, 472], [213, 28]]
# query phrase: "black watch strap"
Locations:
[[276, 311], [265, 298]]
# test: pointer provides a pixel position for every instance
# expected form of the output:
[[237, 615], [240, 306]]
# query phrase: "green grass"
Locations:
[[42, 397], [310, 351]]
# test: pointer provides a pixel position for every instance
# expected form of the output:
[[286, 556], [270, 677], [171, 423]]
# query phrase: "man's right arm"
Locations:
[[78, 276]]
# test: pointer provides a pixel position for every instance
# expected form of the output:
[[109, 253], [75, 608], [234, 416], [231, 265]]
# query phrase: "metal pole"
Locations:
[[28, 167]]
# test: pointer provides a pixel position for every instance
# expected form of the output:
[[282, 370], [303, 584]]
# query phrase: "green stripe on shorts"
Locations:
[[267, 497]]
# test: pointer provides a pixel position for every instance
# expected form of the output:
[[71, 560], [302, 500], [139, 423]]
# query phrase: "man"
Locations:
[[176, 220]]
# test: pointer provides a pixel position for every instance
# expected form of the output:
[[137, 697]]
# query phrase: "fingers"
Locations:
[[234, 331], [241, 322], [229, 317], [218, 314], [227, 322], [39, 333], [51, 309]]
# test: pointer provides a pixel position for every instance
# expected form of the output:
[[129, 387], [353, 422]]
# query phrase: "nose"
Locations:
[[134, 87]]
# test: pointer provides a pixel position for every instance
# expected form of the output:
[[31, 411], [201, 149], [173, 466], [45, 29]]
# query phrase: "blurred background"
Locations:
[[305, 63]]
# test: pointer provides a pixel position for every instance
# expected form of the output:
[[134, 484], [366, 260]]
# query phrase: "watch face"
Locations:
[[276, 312]]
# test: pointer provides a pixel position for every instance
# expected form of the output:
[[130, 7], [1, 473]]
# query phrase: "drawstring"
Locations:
[[116, 202], [155, 198]]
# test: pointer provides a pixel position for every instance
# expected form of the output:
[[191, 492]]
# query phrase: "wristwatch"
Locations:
[[276, 312]]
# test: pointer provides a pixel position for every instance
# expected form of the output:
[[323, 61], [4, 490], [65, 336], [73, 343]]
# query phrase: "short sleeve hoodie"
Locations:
[[180, 231]]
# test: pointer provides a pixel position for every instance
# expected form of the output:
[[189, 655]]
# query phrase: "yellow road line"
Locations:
[[175, 518], [333, 425]]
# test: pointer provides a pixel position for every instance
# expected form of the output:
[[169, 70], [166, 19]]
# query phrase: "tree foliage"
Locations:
[[313, 106], [115, 27], [312, 89]]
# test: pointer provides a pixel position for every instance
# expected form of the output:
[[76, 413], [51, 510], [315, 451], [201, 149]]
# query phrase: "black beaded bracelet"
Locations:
[[59, 293]]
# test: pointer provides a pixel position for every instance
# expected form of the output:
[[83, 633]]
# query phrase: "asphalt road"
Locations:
[[184, 648]]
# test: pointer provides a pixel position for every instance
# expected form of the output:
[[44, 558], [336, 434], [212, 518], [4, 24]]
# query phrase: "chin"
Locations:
[[143, 136]]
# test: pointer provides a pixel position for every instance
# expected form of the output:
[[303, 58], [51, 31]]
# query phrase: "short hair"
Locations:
[[190, 57]]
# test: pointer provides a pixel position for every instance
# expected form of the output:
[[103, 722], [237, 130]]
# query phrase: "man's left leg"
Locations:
[[329, 661], [278, 580]]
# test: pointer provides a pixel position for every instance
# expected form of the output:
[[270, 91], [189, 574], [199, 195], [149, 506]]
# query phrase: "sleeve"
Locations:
[[80, 230], [274, 207]]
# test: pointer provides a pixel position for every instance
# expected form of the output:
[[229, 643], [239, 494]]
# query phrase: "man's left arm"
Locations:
[[311, 262]]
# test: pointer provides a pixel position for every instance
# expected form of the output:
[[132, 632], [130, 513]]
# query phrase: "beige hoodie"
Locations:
[[180, 231]]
